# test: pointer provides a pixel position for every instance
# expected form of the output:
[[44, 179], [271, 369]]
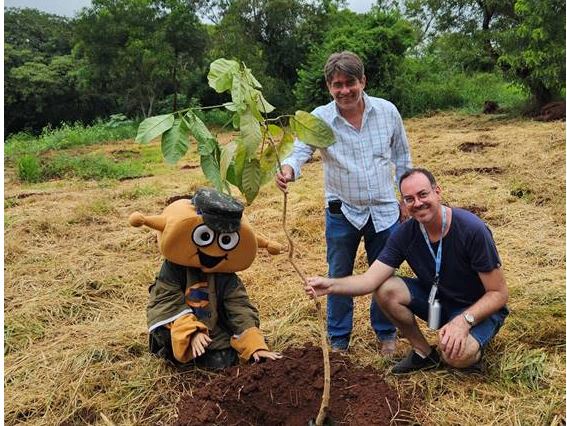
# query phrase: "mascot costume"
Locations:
[[199, 311]]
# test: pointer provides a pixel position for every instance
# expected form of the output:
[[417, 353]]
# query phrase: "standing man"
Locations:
[[460, 285], [360, 196]]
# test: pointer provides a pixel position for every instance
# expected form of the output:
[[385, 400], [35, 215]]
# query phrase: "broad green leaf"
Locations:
[[250, 132], [234, 176], [255, 83], [227, 153], [311, 130], [230, 106], [263, 105], [221, 74], [268, 161], [152, 127], [251, 179], [210, 167], [236, 121], [240, 93], [274, 131], [175, 141], [206, 142]]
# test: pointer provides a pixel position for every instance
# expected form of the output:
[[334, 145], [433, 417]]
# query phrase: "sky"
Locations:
[[71, 7]]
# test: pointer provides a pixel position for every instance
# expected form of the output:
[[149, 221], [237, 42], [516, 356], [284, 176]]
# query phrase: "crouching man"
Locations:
[[460, 286], [198, 310]]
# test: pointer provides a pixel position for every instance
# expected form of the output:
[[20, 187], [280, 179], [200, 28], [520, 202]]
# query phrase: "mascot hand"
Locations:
[[262, 355], [199, 342]]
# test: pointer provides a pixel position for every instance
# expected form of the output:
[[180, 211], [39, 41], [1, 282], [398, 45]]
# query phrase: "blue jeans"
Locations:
[[483, 332], [342, 243]]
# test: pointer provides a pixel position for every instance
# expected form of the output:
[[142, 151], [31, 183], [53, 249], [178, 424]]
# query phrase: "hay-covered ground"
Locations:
[[76, 278]]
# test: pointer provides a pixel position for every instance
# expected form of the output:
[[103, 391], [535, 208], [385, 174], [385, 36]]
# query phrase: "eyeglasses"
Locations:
[[409, 200]]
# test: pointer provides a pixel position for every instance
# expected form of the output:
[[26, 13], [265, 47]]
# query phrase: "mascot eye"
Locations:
[[229, 241], [203, 235]]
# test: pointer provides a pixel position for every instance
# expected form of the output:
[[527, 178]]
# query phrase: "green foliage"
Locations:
[[90, 167], [424, 85], [381, 41], [67, 136], [87, 167], [525, 38], [216, 117], [534, 50], [248, 161], [41, 82], [525, 367], [272, 37], [136, 50], [29, 168]]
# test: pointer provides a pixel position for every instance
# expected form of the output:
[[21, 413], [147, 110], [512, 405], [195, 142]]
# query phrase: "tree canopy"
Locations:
[[143, 57]]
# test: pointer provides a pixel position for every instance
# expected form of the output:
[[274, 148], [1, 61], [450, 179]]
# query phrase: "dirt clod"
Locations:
[[288, 392]]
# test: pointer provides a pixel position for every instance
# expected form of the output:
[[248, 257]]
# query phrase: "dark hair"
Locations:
[[345, 62], [424, 172]]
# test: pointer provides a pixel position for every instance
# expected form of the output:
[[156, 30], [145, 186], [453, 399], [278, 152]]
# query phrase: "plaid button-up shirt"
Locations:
[[359, 166]]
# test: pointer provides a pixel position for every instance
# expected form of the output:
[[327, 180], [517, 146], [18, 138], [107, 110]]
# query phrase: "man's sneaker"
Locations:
[[477, 369], [414, 362]]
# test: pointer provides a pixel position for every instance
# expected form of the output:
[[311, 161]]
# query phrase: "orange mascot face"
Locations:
[[207, 232]]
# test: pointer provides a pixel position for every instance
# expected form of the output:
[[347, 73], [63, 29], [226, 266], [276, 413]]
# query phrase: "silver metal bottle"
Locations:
[[434, 318]]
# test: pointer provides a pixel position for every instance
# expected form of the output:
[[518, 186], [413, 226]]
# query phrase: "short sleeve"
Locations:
[[392, 254], [482, 249]]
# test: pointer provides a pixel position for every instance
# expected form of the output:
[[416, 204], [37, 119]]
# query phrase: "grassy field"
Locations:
[[76, 278]]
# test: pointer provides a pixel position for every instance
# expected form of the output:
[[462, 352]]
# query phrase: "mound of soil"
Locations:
[[288, 392]]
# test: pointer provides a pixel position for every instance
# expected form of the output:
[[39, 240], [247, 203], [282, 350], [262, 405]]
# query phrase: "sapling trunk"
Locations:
[[322, 326], [322, 329]]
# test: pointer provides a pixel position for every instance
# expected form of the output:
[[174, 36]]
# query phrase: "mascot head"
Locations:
[[208, 232]]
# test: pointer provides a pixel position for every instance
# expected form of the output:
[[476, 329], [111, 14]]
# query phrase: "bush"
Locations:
[[70, 135], [90, 166], [29, 168], [423, 86], [217, 117]]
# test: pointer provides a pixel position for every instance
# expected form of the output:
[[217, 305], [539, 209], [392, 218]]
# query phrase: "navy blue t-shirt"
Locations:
[[468, 248]]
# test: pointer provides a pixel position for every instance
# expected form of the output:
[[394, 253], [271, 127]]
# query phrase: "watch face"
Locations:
[[469, 318]]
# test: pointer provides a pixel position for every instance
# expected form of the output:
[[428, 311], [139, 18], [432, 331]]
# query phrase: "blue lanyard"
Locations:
[[436, 256]]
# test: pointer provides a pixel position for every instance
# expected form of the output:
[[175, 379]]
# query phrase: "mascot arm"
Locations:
[[182, 330], [273, 247], [248, 342], [244, 320]]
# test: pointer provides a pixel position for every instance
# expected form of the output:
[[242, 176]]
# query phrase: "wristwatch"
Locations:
[[469, 318]]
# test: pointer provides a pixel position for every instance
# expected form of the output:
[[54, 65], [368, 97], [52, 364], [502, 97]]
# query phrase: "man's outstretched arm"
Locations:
[[354, 285]]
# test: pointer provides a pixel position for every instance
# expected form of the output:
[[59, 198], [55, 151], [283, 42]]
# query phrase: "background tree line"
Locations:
[[143, 57]]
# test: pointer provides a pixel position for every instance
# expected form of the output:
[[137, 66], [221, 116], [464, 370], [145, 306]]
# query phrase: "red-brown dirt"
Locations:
[[288, 392]]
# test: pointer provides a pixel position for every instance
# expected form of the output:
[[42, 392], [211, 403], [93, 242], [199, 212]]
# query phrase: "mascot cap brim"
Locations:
[[220, 212]]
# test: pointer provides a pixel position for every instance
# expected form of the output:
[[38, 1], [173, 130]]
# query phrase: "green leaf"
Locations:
[[251, 176], [230, 106], [210, 167], [274, 131], [221, 74], [263, 105], [234, 173], [250, 132], [227, 153], [175, 141], [255, 83], [152, 127], [240, 93], [206, 142], [311, 130], [269, 162]]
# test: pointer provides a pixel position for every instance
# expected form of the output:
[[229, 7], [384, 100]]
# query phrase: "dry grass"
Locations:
[[76, 278]]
